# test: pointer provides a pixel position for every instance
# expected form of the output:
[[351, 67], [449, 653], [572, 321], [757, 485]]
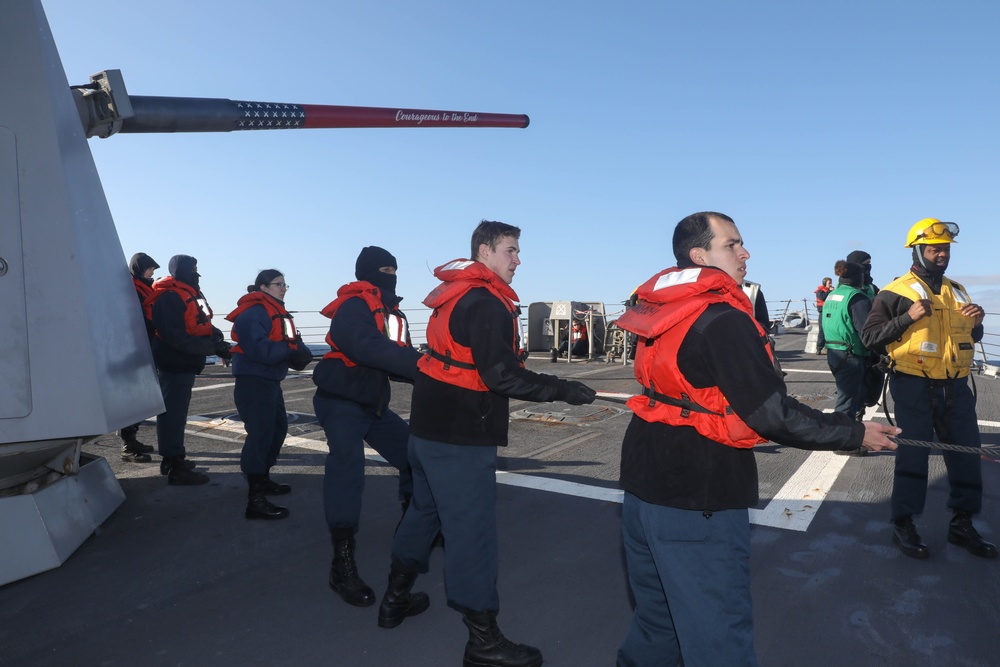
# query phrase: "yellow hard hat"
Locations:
[[931, 231]]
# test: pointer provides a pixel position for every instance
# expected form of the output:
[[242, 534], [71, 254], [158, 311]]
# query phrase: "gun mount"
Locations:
[[74, 354], [106, 108]]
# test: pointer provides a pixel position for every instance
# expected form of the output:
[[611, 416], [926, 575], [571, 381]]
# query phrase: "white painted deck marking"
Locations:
[[560, 486], [792, 508], [205, 427], [796, 504], [221, 385]]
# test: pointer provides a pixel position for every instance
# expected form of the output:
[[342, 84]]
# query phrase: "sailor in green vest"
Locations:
[[865, 260], [844, 313], [929, 326]]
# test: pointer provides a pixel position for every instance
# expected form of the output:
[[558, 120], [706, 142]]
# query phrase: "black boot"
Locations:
[[179, 474], [168, 462], [258, 506], [344, 577], [273, 488], [904, 536], [964, 534], [553, 355], [131, 443], [488, 647], [132, 455], [398, 602]]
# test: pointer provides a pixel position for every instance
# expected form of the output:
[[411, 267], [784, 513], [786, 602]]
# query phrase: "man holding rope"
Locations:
[[688, 469], [929, 325], [459, 415]]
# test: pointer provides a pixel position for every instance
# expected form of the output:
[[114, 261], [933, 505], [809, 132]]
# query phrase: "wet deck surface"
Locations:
[[177, 576]]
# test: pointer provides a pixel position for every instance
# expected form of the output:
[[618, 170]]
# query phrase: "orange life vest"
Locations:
[[282, 327], [669, 303], [391, 323], [446, 360], [197, 312], [826, 292], [144, 290]]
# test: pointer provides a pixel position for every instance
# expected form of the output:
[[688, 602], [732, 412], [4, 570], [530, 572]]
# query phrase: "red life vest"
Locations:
[[197, 312], [446, 360], [144, 290], [282, 327], [669, 303], [825, 291], [391, 323]]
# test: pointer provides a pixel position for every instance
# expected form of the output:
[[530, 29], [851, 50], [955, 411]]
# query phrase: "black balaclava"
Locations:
[[371, 259], [851, 274], [860, 257], [139, 264], [920, 262], [929, 272], [182, 267]]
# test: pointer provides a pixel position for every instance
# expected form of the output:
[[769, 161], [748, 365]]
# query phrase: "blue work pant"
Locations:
[[348, 426], [924, 408], [849, 375], [170, 425], [690, 576], [454, 492], [262, 408], [820, 336]]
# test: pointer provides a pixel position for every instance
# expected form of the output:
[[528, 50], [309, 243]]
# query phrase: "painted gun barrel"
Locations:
[[192, 114]]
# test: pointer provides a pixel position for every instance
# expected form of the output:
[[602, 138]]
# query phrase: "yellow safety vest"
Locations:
[[939, 346]]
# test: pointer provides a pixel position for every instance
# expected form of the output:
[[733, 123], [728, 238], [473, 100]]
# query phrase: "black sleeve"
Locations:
[[858, 308], [760, 311], [887, 321], [735, 358], [482, 323]]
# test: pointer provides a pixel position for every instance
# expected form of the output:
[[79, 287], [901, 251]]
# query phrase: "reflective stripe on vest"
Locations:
[[197, 312], [390, 322]]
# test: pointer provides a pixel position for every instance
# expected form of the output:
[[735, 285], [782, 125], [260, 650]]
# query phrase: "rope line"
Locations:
[[993, 451]]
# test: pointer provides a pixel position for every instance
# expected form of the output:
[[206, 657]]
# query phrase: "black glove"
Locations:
[[300, 358], [222, 350], [577, 393], [884, 364]]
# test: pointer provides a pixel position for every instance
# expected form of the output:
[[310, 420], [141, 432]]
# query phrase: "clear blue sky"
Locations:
[[820, 127]]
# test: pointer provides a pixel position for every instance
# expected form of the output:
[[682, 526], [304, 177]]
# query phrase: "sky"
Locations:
[[819, 127]]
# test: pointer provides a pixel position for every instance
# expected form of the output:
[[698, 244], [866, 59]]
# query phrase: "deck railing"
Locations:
[[314, 327]]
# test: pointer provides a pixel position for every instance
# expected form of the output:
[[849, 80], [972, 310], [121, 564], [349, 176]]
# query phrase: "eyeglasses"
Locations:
[[938, 230], [280, 285]]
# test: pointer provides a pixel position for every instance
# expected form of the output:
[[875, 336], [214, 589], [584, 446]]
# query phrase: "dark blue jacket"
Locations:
[[261, 356], [357, 336], [174, 349]]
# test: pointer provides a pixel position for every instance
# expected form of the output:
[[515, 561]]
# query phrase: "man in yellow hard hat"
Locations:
[[928, 326]]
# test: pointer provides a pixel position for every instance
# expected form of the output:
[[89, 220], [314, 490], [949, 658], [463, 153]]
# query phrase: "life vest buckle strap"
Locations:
[[448, 361], [686, 406], [685, 403]]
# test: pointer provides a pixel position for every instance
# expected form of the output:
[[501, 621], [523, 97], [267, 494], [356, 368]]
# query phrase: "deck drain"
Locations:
[[567, 414]]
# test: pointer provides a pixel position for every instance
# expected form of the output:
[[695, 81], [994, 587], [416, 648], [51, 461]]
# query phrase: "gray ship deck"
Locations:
[[177, 576]]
